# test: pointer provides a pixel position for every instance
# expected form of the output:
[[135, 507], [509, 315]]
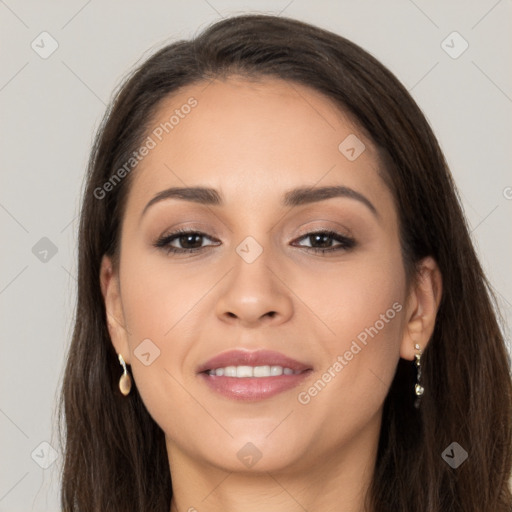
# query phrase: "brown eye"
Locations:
[[192, 239], [188, 241], [321, 241]]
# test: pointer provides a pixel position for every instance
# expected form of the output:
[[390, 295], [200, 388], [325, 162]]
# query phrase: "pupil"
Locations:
[[318, 238], [184, 240]]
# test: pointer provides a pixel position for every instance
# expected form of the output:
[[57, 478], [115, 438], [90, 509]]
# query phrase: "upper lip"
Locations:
[[252, 358]]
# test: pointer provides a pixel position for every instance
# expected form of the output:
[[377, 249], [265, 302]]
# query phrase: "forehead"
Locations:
[[251, 138]]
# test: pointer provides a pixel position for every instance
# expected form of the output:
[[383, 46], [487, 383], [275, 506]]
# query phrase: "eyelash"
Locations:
[[163, 242]]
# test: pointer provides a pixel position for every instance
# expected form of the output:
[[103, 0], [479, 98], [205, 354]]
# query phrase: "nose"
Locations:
[[254, 294]]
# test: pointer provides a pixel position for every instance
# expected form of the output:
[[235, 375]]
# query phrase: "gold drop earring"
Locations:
[[125, 382], [418, 388]]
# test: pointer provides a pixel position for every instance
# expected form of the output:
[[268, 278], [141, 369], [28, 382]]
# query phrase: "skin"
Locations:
[[253, 141]]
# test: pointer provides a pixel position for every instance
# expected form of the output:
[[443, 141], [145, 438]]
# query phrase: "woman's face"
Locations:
[[256, 283]]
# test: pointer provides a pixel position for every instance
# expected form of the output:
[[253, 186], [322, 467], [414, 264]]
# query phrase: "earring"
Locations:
[[418, 388], [125, 382]]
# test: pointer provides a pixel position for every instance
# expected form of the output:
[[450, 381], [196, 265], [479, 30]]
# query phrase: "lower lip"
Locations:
[[253, 388]]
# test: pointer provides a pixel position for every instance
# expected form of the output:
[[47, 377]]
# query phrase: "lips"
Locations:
[[255, 358], [247, 387]]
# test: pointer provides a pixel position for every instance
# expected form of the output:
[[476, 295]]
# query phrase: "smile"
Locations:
[[251, 376], [252, 371]]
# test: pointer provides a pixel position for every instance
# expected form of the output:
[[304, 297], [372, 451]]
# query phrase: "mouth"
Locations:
[[244, 372], [251, 376]]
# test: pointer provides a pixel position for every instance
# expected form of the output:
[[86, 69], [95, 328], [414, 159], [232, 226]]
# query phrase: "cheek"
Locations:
[[357, 295], [360, 363], [159, 303], [362, 304], [368, 302], [158, 295]]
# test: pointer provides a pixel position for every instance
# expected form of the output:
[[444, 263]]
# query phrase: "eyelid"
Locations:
[[175, 234], [327, 225], [341, 242]]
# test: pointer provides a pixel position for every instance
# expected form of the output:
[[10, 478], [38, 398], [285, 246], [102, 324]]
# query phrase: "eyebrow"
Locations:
[[292, 198]]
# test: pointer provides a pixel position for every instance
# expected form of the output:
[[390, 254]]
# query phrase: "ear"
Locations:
[[110, 289], [422, 306]]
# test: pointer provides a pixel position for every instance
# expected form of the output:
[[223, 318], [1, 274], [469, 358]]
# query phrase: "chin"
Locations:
[[256, 454]]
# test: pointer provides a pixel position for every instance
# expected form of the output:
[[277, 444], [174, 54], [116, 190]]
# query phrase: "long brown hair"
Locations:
[[115, 454]]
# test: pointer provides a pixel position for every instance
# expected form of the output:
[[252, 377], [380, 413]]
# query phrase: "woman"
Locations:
[[279, 305]]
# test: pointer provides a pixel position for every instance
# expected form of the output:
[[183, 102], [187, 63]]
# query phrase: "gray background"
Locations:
[[50, 108]]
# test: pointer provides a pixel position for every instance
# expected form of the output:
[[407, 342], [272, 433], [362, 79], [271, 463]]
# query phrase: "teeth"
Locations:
[[229, 371], [276, 370], [251, 371], [261, 371], [244, 371]]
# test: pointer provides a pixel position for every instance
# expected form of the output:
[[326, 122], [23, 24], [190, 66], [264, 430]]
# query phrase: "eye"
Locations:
[[190, 241], [321, 241]]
